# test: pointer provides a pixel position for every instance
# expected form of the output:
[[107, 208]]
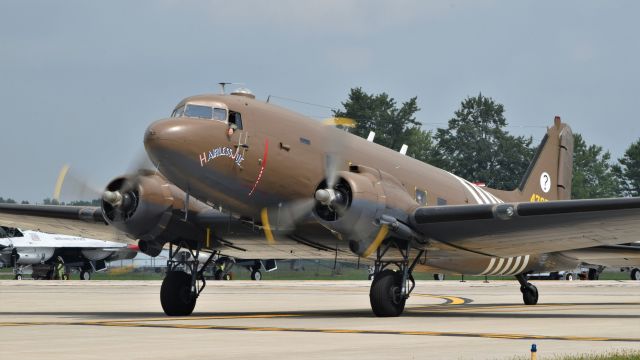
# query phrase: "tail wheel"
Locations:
[[176, 296], [385, 295], [529, 294]]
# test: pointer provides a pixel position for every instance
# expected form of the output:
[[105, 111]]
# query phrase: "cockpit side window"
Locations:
[[178, 112], [235, 119], [219, 114]]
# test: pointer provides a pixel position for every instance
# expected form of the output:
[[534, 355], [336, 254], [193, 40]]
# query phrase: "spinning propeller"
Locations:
[[330, 197]]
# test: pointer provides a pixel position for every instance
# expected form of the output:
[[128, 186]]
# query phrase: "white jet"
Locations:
[[50, 256]]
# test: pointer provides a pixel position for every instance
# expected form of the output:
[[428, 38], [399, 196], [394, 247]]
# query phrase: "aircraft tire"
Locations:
[[65, 277], [218, 275], [569, 277], [176, 297], [529, 294], [18, 277], [635, 274], [384, 295], [85, 275], [256, 275], [438, 277]]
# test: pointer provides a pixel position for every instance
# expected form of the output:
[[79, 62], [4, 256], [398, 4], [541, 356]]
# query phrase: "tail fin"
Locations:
[[549, 174]]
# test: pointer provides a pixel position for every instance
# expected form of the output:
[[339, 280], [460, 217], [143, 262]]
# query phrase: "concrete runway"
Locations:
[[315, 320]]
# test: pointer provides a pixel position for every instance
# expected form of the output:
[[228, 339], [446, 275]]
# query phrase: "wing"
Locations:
[[237, 238], [531, 228], [85, 221], [610, 256]]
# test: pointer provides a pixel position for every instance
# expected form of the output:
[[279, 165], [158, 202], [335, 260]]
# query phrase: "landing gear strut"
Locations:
[[390, 289], [528, 290], [184, 281]]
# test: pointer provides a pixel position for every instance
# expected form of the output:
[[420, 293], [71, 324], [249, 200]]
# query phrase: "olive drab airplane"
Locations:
[[251, 179]]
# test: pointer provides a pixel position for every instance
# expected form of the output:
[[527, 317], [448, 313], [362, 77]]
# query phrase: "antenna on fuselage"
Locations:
[[223, 84]]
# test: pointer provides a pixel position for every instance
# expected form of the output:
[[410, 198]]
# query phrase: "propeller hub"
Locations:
[[114, 198], [325, 196]]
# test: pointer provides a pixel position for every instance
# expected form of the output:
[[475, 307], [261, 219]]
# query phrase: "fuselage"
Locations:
[[279, 156]]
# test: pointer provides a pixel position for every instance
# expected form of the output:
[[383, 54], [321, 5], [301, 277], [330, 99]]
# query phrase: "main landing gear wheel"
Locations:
[[176, 295], [256, 275], [635, 274], [568, 276], [85, 275], [386, 295], [438, 277], [18, 277]]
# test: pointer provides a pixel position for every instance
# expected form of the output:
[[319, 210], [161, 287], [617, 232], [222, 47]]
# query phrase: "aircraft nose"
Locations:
[[163, 135]]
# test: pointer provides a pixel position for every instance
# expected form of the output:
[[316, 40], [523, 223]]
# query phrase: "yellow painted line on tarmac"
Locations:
[[332, 331], [450, 300]]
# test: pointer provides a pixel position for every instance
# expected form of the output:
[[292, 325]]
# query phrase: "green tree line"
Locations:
[[476, 145]]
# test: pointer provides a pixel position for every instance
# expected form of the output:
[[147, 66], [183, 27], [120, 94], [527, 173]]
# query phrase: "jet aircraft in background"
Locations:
[[292, 187], [42, 252]]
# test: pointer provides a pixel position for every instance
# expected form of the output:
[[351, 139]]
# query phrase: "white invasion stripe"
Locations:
[[470, 190], [480, 192], [525, 262], [493, 260], [515, 265], [495, 271], [495, 199], [501, 270], [506, 267]]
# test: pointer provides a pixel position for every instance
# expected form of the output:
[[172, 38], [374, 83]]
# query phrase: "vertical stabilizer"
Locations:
[[549, 174]]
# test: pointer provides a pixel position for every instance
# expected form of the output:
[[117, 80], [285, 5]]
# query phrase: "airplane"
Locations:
[[251, 178], [23, 249]]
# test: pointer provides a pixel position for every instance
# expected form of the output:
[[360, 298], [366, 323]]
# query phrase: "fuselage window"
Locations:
[[421, 197], [235, 120], [199, 111]]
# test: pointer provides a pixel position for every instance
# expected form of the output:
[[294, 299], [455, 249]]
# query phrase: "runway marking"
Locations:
[[449, 300], [333, 331]]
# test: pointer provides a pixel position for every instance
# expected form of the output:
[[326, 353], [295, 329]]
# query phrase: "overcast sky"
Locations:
[[81, 80]]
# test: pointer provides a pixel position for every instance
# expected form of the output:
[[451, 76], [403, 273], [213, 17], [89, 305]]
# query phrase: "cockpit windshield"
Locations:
[[201, 112]]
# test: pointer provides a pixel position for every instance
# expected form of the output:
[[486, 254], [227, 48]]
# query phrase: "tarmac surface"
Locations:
[[315, 320]]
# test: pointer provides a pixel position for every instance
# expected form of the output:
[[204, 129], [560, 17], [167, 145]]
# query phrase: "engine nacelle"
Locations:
[[359, 203], [149, 208]]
